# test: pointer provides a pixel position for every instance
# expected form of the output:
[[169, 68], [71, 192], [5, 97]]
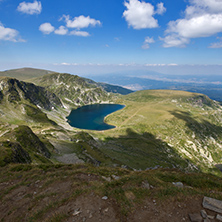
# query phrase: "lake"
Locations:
[[91, 117]]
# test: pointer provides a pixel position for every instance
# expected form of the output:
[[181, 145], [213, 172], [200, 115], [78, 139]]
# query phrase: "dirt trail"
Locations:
[[124, 122]]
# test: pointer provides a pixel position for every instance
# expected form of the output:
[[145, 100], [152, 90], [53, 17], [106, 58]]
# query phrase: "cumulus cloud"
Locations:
[[148, 40], [203, 18], [80, 22], [139, 14], [77, 23], [62, 30], [174, 40], [160, 8], [8, 34], [46, 28], [30, 8], [79, 33]]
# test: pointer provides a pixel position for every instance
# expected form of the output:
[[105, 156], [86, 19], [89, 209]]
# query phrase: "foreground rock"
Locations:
[[212, 204]]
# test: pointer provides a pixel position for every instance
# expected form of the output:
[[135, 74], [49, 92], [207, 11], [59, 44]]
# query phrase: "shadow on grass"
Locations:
[[202, 129], [142, 151]]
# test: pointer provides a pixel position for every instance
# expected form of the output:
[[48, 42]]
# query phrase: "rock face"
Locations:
[[14, 91]]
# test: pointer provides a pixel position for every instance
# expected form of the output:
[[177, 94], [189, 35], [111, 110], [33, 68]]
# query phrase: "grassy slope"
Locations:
[[55, 192], [24, 73], [167, 128]]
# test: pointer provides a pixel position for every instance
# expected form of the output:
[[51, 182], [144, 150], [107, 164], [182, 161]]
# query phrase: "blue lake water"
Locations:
[[91, 117]]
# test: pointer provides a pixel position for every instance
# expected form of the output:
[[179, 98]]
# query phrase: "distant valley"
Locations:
[[138, 80]]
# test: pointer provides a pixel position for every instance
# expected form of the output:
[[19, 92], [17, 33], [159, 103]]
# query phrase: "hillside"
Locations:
[[163, 128], [86, 193], [159, 128], [156, 165], [28, 74], [73, 90], [24, 73], [35, 112]]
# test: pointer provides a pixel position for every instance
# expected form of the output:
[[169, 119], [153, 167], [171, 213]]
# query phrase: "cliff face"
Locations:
[[14, 91]]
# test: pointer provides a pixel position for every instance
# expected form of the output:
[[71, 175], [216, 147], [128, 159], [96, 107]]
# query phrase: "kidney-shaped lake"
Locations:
[[91, 117]]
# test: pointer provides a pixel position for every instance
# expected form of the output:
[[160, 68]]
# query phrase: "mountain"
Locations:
[[36, 112], [110, 88], [156, 165], [24, 73], [27, 74], [72, 89], [21, 101], [157, 128]]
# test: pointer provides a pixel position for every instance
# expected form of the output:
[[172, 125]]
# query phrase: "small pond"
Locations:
[[91, 117]]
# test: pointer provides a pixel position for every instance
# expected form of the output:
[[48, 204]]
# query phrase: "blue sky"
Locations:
[[101, 36]]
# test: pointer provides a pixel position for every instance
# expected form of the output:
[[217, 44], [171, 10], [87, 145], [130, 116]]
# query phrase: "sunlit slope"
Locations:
[[72, 89], [165, 128], [24, 73]]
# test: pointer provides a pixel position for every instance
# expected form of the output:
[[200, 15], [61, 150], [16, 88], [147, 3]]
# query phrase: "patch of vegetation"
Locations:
[[126, 188]]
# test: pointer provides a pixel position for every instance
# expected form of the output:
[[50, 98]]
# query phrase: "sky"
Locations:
[[105, 36]]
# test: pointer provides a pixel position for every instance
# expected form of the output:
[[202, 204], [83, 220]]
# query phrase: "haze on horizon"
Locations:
[[102, 37]]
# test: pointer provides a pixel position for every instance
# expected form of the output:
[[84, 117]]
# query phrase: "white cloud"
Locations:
[[216, 45], [160, 8], [62, 30], [174, 40], [30, 8], [80, 22], [148, 40], [139, 14], [203, 18], [46, 28], [201, 26], [9, 34], [79, 33]]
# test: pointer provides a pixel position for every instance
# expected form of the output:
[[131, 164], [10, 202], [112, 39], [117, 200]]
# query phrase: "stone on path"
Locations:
[[195, 218], [104, 198], [212, 204], [203, 213]]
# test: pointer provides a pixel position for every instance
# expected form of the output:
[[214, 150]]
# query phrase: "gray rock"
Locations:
[[195, 218], [178, 184], [212, 204], [108, 179], [203, 213], [219, 217], [76, 212], [207, 220], [104, 198], [145, 185], [115, 177], [210, 217]]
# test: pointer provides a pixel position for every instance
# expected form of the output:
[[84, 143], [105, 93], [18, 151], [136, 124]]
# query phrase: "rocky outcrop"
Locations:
[[73, 90], [214, 205], [15, 90]]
